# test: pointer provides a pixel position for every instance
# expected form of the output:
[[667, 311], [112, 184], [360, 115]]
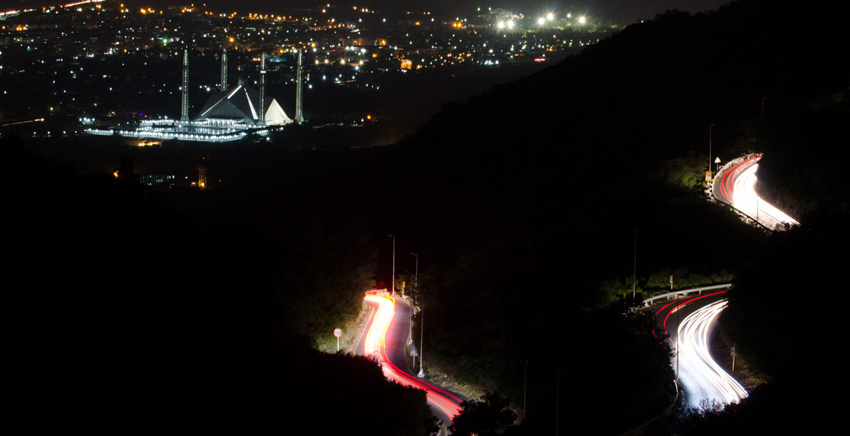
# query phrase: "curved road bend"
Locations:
[[704, 382], [386, 338], [736, 187]]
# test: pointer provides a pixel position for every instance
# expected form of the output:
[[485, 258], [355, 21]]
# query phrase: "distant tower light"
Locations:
[[184, 109], [224, 70]]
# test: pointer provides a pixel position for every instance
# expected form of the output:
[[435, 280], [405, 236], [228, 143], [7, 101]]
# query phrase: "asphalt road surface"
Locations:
[[688, 324], [735, 186], [386, 340]]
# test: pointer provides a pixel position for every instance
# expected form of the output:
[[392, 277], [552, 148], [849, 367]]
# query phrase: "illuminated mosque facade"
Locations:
[[229, 115]]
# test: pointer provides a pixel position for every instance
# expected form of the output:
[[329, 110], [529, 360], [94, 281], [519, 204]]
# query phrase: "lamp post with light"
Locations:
[[415, 289], [421, 339], [710, 126]]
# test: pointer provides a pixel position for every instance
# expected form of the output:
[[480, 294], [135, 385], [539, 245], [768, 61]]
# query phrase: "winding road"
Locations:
[[735, 186], [385, 339], [688, 324]]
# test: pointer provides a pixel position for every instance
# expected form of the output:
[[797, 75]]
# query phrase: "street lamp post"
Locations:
[[415, 289], [757, 206], [422, 340], [392, 280], [709, 146], [733, 357]]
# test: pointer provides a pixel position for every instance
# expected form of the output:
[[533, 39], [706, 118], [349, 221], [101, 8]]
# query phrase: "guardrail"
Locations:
[[684, 292]]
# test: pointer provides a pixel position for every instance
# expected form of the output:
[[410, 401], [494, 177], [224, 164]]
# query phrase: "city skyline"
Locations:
[[616, 9]]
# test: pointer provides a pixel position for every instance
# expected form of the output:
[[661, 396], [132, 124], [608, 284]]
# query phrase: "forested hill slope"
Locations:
[[654, 88], [589, 132], [534, 191]]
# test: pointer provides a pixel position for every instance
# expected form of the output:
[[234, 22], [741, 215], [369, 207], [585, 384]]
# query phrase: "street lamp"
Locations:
[[392, 284], [677, 329], [421, 339], [415, 289], [757, 206], [709, 146], [421, 319]]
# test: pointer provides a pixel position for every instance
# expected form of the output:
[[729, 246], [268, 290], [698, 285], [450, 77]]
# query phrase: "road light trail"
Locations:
[[375, 346], [736, 187], [702, 379], [705, 382]]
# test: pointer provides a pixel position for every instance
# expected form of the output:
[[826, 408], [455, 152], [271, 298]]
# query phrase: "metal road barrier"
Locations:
[[684, 292]]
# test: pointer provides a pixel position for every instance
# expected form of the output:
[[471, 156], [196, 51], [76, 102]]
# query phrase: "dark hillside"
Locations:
[[124, 316], [528, 197]]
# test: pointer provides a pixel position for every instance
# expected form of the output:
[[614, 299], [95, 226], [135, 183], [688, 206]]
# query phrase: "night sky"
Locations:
[[620, 9]]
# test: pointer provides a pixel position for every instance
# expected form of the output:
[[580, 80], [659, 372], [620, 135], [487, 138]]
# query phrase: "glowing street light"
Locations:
[[582, 19]]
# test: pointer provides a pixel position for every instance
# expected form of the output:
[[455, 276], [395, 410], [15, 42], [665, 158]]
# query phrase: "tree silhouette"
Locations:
[[491, 416]]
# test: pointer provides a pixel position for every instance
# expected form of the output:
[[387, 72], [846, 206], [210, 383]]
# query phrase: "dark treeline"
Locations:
[[127, 314]]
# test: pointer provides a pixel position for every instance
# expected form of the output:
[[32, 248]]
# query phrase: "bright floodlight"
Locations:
[[550, 16], [501, 25], [582, 20], [511, 24], [541, 21]]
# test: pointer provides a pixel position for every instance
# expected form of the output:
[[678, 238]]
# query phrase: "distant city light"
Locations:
[[150, 38]]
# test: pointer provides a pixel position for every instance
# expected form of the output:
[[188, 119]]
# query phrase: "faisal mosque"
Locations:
[[228, 115]]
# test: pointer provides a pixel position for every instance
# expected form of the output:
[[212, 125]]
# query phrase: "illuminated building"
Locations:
[[227, 116]]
